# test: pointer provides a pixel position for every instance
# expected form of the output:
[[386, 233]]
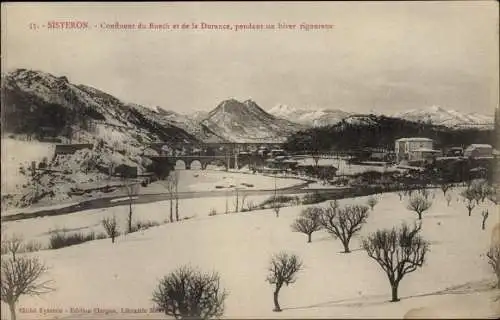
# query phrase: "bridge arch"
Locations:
[[196, 164], [219, 162], [181, 164]]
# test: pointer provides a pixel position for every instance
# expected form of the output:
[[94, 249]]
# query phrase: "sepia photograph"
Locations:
[[250, 160]]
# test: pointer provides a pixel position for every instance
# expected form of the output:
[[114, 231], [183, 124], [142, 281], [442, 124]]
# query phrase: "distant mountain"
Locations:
[[247, 122], [377, 131], [190, 123], [311, 118], [439, 116]]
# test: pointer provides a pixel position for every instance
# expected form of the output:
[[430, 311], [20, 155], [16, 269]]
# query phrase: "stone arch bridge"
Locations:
[[204, 160]]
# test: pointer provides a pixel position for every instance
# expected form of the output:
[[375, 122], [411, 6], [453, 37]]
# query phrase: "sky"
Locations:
[[379, 56]]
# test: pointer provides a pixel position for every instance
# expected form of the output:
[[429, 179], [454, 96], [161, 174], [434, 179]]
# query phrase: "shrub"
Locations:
[[398, 251], [313, 198], [278, 199], [61, 239], [143, 225], [33, 246], [101, 235], [111, 227], [187, 293]]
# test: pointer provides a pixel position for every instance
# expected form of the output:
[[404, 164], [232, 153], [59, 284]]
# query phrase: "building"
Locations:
[[455, 152], [479, 151], [414, 149]]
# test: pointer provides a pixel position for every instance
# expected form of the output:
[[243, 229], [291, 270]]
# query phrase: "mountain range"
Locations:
[[434, 115], [310, 118], [34, 100], [449, 118]]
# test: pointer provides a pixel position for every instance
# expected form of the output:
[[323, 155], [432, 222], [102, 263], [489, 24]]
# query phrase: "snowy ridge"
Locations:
[[313, 118], [434, 115], [450, 118]]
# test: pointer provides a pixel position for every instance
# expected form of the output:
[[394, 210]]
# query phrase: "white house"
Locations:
[[414, 149]]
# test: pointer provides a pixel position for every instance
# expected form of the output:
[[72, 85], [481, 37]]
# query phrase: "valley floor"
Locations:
[[456, 280]]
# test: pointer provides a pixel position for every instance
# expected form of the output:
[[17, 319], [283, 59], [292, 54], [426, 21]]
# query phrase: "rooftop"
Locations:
[[426, 150], [415, 139], [479, 145]]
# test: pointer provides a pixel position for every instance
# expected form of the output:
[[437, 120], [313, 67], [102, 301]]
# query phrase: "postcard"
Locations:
[[206, 160]]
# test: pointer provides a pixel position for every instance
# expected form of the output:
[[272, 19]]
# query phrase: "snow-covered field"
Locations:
[[455, 281], [90, 220], [209, 180]]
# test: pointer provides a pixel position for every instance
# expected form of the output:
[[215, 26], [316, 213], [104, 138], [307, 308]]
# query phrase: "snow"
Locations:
[[208, 180], [16, 153], [454, 281], [441, 116], [311, 116]]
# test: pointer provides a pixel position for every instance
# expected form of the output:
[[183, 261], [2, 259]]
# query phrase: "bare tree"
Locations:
[[243, 199], [445, 187], [237, 199], [176, 193], [419, 204], [470, 196], [371, 202], [316, 155], [398, 251], [132, 190], [448, 199], [494, 260], [401, 194], [424, 193], [485, 215], [170, 185], [12, 245], [308, 221], [186, 293], [111, 228], [227, 208], [282, 270], [276, 205], [485, 191], [345, 222], [22, 276]]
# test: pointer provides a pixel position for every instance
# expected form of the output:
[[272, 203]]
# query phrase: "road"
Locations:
[[107, 202]]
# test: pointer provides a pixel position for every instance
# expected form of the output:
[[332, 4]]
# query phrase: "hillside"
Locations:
[[311, 118], [364, 131], [247, 122], [40, 107]]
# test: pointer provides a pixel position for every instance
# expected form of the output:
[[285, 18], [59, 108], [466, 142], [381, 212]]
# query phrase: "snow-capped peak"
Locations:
[[440, 116], [282, 109]]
